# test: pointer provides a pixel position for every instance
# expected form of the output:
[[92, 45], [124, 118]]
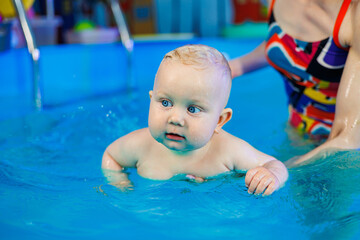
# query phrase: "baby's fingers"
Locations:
[[195, 179], [255, 182], [270, 189], [263, 184], [250, 175]]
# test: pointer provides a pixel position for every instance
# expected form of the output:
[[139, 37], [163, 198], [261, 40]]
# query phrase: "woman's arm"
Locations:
[[345, 132], [250, 62]]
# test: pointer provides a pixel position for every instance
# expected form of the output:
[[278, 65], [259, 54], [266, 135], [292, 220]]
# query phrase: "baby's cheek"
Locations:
[[154, 118], [201, 135], [155, 133], [154, 126]]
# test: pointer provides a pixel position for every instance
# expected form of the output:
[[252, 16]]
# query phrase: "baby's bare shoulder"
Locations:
[[235, 152], [132, 146], [241, 153], [143, 132], [132, 141], [138, 138], [228, 140]]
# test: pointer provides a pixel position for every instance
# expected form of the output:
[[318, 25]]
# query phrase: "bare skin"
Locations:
[[185, 134], [313, 20]]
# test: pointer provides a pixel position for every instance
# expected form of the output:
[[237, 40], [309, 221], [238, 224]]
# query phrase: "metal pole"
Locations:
[[33, 50], [126, 40]]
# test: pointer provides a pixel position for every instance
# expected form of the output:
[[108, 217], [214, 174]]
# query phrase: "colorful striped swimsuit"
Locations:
[[312, 72]]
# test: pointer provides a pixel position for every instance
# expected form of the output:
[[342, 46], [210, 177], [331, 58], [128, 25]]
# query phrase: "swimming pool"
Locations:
[[51, 184]]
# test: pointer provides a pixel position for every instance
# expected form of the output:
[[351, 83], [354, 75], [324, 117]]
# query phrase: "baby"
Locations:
[[185, 136]]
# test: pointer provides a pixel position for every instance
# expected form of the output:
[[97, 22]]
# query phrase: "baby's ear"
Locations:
[[150, 94], [224, 118]]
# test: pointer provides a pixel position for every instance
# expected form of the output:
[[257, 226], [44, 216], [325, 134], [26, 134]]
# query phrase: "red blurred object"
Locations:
[[125, 5], [139, 15], [246, 10]]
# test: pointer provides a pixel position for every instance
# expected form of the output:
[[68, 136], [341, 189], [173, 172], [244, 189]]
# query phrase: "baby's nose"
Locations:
[[177, 118]]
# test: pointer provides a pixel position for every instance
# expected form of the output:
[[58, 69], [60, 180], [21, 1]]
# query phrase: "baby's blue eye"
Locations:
[[166, 103], [193, 109]]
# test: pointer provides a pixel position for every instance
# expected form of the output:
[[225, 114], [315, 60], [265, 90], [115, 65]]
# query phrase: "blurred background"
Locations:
[[91, 21], [75, 52]]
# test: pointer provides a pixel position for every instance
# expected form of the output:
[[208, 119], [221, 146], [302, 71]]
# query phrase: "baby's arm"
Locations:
[[124, 152], [265, 173]]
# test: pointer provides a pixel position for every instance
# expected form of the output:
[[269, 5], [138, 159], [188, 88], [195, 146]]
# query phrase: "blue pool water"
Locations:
[[52, 187]]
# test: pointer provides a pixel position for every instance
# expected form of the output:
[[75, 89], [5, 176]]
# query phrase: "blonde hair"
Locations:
[[200, 57]]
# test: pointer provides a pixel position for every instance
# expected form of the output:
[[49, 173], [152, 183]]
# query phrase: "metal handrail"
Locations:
[[33, 50], [125, 36], [126, 40]]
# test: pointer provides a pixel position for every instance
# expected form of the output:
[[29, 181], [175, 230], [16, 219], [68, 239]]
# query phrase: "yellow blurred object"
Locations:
[[7, 8]]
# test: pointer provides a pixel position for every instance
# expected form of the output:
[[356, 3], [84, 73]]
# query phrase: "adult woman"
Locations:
[[315, 45]]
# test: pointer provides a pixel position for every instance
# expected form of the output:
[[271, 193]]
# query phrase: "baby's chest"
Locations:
[[154, 169], [166, 168]]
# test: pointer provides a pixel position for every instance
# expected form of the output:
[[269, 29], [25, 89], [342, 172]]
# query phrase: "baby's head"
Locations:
[[191, 89], [203, 59]]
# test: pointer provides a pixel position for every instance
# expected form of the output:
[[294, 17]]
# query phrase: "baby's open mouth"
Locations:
[[174, 136]]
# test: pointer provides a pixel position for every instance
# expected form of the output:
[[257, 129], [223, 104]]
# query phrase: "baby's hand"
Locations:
[[194, 178], [123, 186], [118, 179], [260, 179]]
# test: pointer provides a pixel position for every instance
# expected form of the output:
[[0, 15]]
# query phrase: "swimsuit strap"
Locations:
[[270, 8], [344, 7]]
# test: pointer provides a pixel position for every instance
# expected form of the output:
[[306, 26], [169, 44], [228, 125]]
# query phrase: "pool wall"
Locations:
[[69, 73]]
